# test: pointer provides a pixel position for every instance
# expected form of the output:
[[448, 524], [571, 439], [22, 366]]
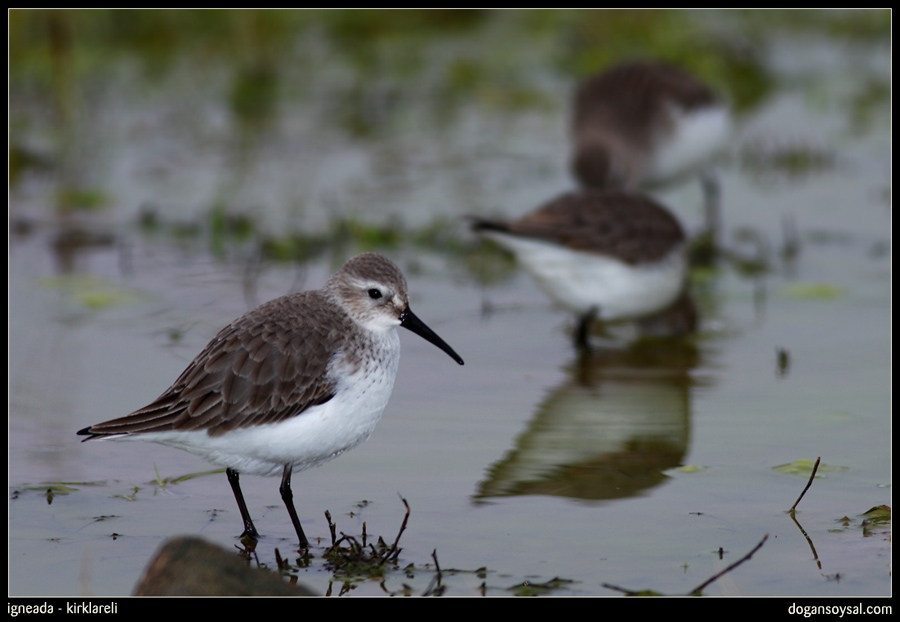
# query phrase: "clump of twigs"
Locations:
[[350, 558], [356, 559]]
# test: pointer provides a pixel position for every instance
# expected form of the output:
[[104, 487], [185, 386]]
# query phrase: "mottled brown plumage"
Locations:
[[631, 94], [606, 254], [625, 118], [264, 367], [630, 227]]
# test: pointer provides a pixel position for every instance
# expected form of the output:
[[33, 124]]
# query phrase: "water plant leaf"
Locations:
[[690, 468], [162, 482], [823, 291], [527, 588], [804, 467], [879, 515], [89, 291]]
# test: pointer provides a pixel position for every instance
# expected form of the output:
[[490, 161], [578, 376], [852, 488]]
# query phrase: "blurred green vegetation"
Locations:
[[723, 47], [375, 41], [388, 61], [852, 25], [491, 59]]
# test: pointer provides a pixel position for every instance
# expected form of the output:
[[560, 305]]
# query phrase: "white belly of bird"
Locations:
[[582, 281], [695, 138], [315, 436]]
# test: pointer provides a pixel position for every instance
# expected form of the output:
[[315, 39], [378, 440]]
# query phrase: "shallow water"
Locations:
[[632, 468]]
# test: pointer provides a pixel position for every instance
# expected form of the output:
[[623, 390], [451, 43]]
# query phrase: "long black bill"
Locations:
[[410, 321]]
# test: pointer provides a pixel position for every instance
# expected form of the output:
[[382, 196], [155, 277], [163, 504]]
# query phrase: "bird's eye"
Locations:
[[374, 294]]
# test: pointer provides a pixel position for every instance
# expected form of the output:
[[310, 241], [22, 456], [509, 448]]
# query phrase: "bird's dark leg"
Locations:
[[288, 497], [583, 329], [704, 247], [234, 479], [712, 203]]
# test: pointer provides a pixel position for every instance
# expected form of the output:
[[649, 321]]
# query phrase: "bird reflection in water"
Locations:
[[609, 431]]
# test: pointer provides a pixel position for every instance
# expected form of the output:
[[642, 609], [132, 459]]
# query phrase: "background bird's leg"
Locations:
[[288, 497], [712, 203], [583, 329], [234, 479]]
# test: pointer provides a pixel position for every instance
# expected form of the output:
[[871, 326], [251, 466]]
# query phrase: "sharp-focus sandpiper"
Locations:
[[290, 385]]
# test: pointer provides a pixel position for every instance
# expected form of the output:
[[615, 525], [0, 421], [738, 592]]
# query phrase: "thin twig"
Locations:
[[353, 542], [809, 541], [394, 550], [331, 526], [436, 564], [610, 586], [434, 586], [808, 484], [697, 590]]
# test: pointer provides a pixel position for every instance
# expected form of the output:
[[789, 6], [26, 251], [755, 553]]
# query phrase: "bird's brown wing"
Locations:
[[630, 94], [266, 366], [629, 226]]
